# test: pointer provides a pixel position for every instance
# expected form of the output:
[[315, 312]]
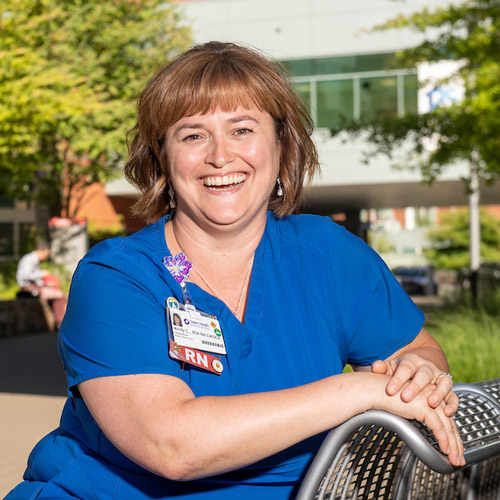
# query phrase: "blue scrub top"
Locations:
[[319, 298]]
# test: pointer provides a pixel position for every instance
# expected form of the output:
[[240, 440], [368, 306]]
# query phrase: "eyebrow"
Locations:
[[235, 119]]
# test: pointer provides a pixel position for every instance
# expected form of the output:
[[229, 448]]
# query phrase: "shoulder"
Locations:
[[136, 255], [319, 236], [318, 246], [29, 257]]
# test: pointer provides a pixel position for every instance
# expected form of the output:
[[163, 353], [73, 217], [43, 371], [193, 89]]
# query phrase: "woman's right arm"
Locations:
[[158, 423]]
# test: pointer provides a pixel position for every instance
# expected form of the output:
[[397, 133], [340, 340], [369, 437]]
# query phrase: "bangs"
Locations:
[[221, 85]]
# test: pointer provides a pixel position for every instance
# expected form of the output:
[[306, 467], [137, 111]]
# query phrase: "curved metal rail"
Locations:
[[377, 455]]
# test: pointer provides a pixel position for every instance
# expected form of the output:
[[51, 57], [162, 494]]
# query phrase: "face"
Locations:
[[223, 165], [43, 255]]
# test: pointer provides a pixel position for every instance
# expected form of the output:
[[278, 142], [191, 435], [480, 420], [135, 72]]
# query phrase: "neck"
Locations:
[[211, 244], [222, 260]]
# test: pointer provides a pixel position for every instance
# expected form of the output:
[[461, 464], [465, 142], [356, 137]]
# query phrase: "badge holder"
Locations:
[[193, 336]]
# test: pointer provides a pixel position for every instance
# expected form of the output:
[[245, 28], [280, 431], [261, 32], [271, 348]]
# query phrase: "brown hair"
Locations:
[[223, 76]]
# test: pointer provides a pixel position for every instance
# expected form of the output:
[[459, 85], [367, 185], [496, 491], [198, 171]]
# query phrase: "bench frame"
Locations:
[[378, 455]]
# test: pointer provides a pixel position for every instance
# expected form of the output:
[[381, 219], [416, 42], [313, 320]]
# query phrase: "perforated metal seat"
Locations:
[[377, 455]]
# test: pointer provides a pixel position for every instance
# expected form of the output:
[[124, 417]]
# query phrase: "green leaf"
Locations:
[[70, 73]]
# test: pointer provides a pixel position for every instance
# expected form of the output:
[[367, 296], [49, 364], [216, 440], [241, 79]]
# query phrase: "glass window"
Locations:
[[411, 94], [299, 67], [335, 103], [334, 65], [341, 64], [375, 62], [378, 98], [303, 89], [6, 239], [6, 202], [367, 98]]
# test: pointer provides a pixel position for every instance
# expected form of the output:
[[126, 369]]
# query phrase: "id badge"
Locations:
[[194, 337]]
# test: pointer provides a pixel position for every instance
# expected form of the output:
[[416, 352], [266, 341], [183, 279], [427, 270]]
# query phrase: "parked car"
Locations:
[[417, 280]]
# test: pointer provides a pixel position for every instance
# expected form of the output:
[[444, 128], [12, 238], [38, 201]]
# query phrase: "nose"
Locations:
[[219, 152]]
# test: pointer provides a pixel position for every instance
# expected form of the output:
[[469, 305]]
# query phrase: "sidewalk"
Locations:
[[32, 389]]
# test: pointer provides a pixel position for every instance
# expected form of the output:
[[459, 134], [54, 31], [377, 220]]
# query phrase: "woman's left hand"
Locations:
[[417, 372]]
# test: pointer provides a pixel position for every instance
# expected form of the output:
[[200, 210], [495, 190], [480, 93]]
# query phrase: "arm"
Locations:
[[418, 364], [157, 422]]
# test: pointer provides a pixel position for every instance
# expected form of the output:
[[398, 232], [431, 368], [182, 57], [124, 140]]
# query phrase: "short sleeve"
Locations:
[[377, 314], [115, 319]]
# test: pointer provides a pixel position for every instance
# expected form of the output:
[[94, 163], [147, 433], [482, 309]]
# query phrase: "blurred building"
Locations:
[[343, 71]]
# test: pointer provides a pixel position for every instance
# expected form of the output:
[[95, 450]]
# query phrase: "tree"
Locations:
[[468, 33], [70, 73], [450, 243]]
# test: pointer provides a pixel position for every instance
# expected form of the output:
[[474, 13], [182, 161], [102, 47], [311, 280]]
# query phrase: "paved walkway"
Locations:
[[32, 388]]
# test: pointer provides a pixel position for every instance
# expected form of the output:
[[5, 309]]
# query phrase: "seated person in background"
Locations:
[[39, 282]]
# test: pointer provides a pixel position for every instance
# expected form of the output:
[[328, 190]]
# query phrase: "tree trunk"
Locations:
[[474, 231]]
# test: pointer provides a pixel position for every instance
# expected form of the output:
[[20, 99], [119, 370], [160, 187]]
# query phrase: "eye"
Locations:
[[191, 138], [243, 131]]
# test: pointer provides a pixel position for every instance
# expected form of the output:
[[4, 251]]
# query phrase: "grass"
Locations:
[[470, 337]]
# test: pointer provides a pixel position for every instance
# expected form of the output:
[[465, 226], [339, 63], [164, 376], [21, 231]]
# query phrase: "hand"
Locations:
[[442, 426], [417, 373]]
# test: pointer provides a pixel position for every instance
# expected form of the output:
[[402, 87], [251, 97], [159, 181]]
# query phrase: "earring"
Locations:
[[279, 191], [171, 194]]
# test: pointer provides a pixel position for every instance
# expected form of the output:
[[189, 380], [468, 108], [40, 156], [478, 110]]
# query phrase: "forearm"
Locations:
[[168, 431], [244, 429], [196, 437]]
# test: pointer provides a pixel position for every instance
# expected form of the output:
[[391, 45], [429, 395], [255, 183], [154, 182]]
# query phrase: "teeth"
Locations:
[[225, 180]]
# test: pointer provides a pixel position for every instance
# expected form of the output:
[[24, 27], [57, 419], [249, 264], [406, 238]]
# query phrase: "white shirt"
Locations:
[[28, 270]]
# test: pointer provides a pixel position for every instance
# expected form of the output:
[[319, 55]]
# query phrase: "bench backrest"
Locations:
[[377, 455]]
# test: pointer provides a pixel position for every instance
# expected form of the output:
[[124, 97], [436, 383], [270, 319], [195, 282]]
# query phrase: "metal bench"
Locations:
[[377, 455]]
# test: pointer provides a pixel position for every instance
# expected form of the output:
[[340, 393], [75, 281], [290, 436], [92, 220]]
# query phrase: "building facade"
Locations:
[[343, 70]]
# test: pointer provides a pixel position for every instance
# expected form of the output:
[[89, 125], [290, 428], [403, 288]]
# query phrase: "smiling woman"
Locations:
[[223, 167], [222, 77], [204, 354]]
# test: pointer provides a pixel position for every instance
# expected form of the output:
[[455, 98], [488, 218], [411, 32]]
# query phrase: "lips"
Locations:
[[225, 181]]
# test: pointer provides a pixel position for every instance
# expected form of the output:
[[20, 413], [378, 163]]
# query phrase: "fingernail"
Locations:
[[392, 388], [408, 393]]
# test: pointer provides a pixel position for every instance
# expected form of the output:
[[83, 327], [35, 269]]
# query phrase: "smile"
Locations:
[[224, 181]]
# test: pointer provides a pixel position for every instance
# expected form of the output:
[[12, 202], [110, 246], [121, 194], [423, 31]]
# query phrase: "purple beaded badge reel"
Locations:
[[179, 267]]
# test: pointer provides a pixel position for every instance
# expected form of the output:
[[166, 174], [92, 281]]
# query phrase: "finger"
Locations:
[[422, 378], [452, 402], [456, 448], [436, 425], [380, 367], [404, 372], [444, 385]]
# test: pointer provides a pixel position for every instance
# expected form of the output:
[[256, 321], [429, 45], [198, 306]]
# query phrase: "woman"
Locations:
[[281, 303]]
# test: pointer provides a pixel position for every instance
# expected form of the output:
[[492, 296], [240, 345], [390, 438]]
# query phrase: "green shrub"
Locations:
[[61, 272], [8, 284], [97, 233], [471, 340]]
